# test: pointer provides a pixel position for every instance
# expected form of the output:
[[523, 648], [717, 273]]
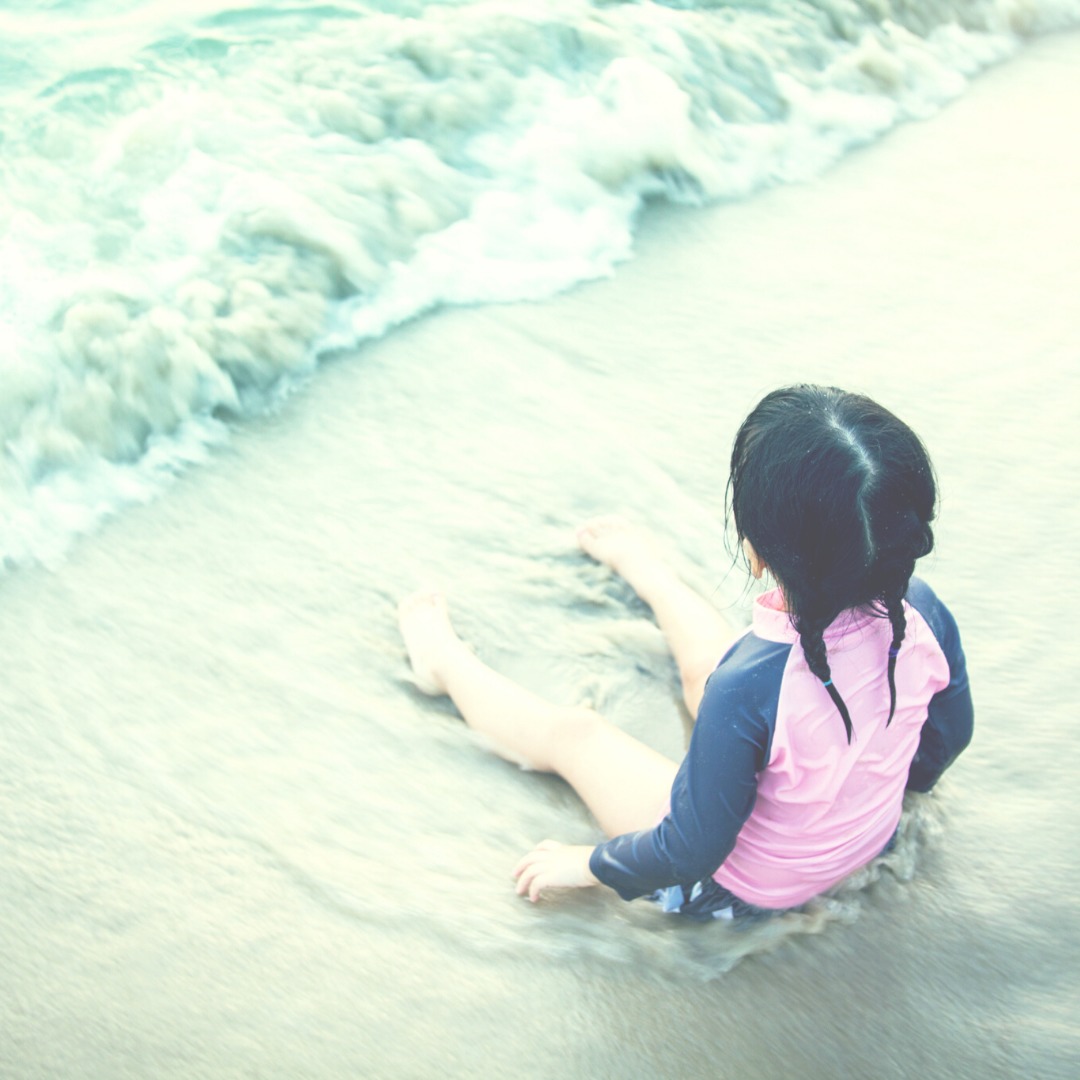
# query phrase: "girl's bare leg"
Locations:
[[623, 782], [697, 634]]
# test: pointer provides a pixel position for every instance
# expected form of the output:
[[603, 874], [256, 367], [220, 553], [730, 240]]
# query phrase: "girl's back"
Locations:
[[824, 806]]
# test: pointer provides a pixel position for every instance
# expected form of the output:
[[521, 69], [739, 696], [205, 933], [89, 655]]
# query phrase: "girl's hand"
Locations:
[[551, 865]]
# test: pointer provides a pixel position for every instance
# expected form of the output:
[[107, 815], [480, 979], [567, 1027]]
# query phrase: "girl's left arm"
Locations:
[[950, 714]]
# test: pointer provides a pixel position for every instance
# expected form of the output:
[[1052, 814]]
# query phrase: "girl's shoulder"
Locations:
[[924, 600], [747, 679], [938, 617], [919, 590]]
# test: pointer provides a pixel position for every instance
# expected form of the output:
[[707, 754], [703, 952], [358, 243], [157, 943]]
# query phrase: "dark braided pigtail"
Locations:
[[896, 575], [894, 606], [811, 636]]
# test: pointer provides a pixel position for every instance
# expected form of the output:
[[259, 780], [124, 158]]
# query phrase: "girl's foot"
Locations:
[[629, 550], [430, 640]]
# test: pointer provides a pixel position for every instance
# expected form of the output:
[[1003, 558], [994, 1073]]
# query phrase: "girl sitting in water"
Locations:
[[848, 688]]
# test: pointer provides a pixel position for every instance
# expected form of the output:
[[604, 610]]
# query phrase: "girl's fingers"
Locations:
[[524, 875], [529, 871], [527, 860], [530, 883]]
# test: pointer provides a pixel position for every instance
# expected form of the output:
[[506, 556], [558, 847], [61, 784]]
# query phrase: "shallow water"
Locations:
[[237, 842]]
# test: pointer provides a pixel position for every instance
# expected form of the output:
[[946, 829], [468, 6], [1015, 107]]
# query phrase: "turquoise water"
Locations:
[[198, 201]]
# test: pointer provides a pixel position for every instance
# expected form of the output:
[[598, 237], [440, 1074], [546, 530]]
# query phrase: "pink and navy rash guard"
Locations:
[[771, 800]]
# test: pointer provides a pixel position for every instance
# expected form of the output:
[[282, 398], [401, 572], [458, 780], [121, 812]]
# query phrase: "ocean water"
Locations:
[[199, 201], [234, 839]]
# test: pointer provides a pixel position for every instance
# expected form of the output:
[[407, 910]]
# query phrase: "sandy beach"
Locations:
[[238, 842]]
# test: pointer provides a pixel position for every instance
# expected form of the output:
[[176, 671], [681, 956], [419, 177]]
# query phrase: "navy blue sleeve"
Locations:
[[950, 718], [716, 785]]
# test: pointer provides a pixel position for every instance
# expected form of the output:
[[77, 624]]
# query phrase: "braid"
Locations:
[[893, 585], [811, 636], [894, 606]]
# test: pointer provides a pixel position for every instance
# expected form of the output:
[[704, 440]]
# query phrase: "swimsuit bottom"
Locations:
[[708, 899]]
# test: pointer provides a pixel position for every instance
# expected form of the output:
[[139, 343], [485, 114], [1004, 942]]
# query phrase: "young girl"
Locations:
[[848, 688]]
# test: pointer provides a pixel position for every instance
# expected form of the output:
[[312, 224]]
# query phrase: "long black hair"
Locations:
[[836, 495]]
